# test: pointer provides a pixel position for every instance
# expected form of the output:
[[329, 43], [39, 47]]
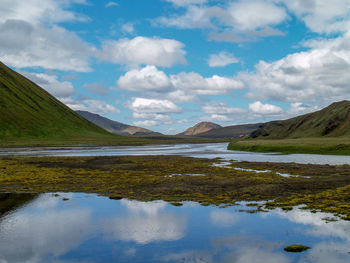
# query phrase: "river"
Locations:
[[204, 150]]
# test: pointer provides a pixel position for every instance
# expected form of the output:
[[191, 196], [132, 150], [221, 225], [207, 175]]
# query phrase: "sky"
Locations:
[[168, 64]]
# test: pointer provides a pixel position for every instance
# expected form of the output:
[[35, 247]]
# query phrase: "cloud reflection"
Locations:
[[145, 223], [32, 236]]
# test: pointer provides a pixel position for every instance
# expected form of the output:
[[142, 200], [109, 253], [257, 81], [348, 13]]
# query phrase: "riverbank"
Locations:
[[104, 141], [175, 179], [324, 145]]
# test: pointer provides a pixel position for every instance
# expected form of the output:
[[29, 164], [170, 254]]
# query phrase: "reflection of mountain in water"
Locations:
[[12, 201]]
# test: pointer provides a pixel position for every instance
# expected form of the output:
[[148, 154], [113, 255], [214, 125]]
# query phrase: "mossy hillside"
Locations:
[[332, 121], [175, 179], [28, 112]]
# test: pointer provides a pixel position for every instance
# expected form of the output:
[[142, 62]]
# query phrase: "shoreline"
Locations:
[[176, 179]]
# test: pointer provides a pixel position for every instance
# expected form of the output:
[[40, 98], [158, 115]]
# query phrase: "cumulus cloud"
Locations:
[[264, 109], [143, 51], [29, 37], [148, 78], [319, 74], [219, 111], [153, 111], [322, 16], [265, 13], [143, 105], [182, 87], [36, 11], [25, 45], [213, 85], [221, 108], [51, 84], [91, 105], [222, 59], [233, 18]]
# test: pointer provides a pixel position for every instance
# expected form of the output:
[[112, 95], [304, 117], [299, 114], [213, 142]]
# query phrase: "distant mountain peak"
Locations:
[[200, 128], [114, 126]]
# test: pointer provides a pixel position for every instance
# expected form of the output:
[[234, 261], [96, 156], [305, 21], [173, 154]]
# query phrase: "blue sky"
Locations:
[[169, 64]]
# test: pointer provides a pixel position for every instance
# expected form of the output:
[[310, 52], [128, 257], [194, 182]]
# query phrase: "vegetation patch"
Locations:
[[296, 248], [147, 178], [324, 145]]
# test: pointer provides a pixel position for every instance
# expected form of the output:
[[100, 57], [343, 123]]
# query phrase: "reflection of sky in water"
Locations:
[[88, 228], [204, 150]]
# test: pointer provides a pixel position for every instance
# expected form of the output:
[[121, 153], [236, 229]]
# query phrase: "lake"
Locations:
[[79, 227], [68, 227]]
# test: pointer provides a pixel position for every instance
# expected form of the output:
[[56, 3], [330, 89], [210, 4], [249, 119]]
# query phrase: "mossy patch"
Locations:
[[296, 248], [169, 178]]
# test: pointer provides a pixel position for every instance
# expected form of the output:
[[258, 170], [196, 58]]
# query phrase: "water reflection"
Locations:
[[88, 228], [144, 223]]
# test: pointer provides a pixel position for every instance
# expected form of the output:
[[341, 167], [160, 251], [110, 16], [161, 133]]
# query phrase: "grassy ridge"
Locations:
[[323, 145], [322, 132], [332, 121], [31, 116]]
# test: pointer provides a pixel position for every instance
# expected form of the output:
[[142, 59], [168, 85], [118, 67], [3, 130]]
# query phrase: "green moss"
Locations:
[[147, 178], [296, 248]]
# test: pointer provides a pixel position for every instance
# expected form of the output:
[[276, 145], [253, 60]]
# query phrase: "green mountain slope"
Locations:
[[332, 121], [30, 115]]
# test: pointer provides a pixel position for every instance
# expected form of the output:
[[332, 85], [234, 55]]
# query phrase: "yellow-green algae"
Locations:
[[169, 178]]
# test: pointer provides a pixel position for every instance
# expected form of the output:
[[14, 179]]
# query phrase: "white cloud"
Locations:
[[322, 16], [209, 86], [25, 45], [232, 21], [265, 109], [51, 84], [143, 51], [153, 111], [186, 2], [249, 15], [143, 105], [37, 11], [219, 111], [128, 28], [145, 123], [91, 105], [148, 78], [222, 59], [182, 87], [221, 108], [320, 74], [30, 38], [111, 3]]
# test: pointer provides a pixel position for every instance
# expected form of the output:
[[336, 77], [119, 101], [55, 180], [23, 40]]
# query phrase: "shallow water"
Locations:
[[89, 228], [204, 150]]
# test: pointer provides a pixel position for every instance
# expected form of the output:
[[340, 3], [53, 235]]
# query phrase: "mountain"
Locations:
[[200, 128], [332, 121], [114, 126], [29, 113], [229, 132]]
